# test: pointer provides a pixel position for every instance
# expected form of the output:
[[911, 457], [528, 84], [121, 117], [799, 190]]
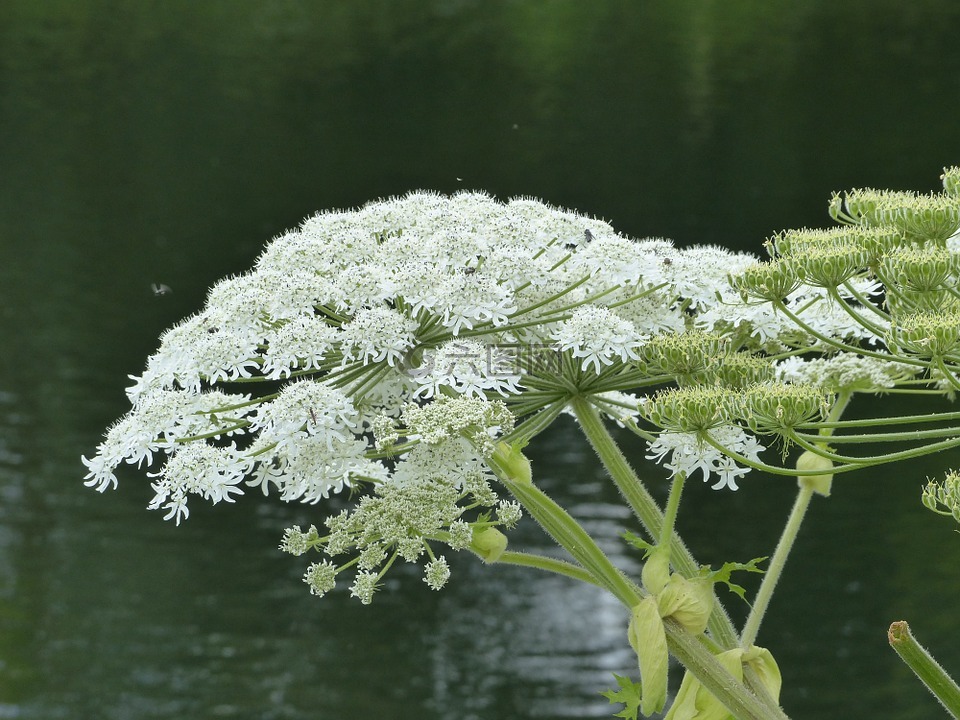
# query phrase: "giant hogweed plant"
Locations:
[[408, 351]]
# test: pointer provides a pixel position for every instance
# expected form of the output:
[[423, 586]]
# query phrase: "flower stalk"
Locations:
[[931, 674]]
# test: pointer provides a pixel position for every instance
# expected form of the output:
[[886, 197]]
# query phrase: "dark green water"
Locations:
[[165, 142]]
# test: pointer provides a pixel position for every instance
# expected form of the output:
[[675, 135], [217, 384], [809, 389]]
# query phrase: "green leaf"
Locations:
[[629, 694], [638, 542], [723, 574]]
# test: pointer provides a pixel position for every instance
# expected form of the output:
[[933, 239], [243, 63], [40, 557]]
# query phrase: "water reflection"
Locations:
[[512, 643], [141, 147]]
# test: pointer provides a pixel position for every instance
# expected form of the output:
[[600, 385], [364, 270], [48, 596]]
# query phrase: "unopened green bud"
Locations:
[[944, 498], [656, 570], [926, 218], [739, 370], [761, 661], [810, 462], [649, 640], [848, 239], [921, 269], [688, 601], [695, 702], [512, 463], [489, 543], [858, 207]]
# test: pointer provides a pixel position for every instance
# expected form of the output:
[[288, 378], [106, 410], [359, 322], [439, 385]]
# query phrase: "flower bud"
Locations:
[[649, 640], [951, 181], [762, 663], [513, 463], [489, 544], [811, 462], [921, 269], [829, 267], [690, 409], [695, 702], [656, 571], [683, 354], [688, 601]]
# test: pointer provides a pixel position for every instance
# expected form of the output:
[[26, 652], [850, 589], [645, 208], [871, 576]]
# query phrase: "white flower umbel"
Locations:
[[365, 347], [845, 372], [303, 343], [599, 336], [689, 453], [466, 367], [197, 468]]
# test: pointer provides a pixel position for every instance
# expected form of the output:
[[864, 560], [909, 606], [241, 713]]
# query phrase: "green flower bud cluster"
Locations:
[[740, 370], [780, 407], [771, 281], [796, 243], [830, 266], [920, 268], [691, 409], [931, 218], [944, 498], [926, 333], [861, 206], [951, 181], [683, 355], [923, 218], [919, 278], [764, 407]]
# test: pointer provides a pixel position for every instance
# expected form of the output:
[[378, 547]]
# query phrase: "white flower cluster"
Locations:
[[351, 327], [845, 371], [689, 453], [401, 300]]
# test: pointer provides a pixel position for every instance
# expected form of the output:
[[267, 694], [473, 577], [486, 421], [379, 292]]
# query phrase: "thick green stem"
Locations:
[[777, 563], [686, 647], [926, 668], [568, 533], [734, 695], [646, 509]]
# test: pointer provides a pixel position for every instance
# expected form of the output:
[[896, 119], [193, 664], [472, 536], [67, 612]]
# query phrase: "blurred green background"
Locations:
[[165, 142]]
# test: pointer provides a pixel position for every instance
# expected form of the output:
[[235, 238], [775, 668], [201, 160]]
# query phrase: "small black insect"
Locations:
[[667, 261], [469, 270], [587, 235], [213, 329], [313, 416], [160, 289]]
